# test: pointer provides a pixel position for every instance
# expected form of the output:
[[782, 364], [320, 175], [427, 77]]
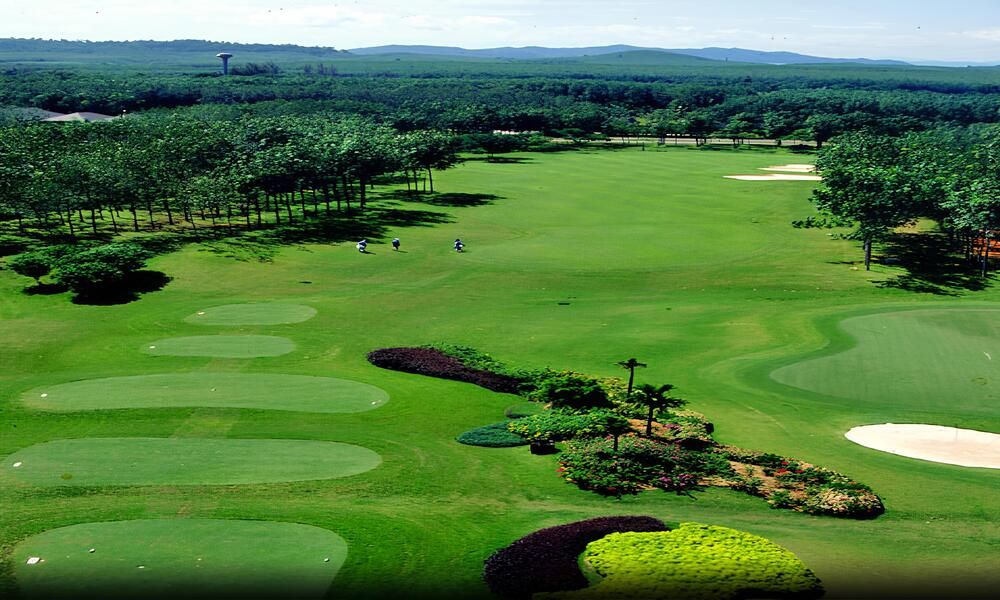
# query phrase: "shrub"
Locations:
[[639, 463], [96, 269], [434, 363], [524, 409], [475, 359], [694, 561], [31, 264], [838, 501], [546, 560], [566, 389], [492, 436], [559, 425]]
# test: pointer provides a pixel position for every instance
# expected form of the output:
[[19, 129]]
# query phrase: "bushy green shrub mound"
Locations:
[[694, 562], [495, 435], [559, 425]]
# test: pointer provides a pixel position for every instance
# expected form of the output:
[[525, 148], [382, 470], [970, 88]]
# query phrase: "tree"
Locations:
[[92, 271], [657, 399], [631, 365], [615, 424], [31, 264], [866, 182], [566, 389]]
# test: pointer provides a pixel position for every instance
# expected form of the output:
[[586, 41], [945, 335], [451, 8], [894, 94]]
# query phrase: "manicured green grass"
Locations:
[[915, 359], [260, 313], [657, 256], [172, 558], [222, 346], [185, 461], [230, 390]]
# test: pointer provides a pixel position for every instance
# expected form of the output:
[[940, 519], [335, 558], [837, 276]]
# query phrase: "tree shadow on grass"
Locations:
[[932, 266], [128, 290], [503, 160], [455, 199], [44, 289]]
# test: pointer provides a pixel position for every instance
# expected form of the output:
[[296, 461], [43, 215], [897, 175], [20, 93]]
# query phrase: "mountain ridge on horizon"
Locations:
[[541, 52]]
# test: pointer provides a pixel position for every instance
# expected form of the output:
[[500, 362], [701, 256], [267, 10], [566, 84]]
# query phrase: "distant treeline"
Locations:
[[698, 106], [37, 46]]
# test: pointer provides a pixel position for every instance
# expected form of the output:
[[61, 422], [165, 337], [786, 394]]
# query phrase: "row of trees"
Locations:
[[881, 182], [145, 172]]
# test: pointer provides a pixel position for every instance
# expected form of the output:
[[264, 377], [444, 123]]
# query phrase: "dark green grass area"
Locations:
[[916, 360], [172, 558], [260, 313], [185, 461], [221, 346], [582, 259], [229, 390]]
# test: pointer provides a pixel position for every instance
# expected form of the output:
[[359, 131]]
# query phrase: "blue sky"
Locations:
[[966, 30]]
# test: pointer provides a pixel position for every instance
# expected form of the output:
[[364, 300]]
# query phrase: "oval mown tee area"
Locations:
[[259, 313], [185, 461], [179, 558], [917, 360], [221, 346], [261, 391]]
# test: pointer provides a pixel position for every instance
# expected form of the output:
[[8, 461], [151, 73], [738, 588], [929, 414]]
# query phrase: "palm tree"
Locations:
[[630, 364], [656, 399]]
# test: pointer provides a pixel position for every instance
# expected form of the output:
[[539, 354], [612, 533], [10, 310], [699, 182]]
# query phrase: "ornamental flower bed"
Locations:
[[797, 485], [435, 363], [546, 560], [694, 562]]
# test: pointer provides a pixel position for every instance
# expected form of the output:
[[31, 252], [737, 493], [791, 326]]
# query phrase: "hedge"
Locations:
[[495, 435], [546, 560], [435, 363], [695, 561]]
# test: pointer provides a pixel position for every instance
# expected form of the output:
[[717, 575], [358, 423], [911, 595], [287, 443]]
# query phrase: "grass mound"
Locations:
[[180, 558], [546, 560], [221, 346], [222, 390], [186, 461], [262, 313], [495, 435], [913, 360], [694, 562]]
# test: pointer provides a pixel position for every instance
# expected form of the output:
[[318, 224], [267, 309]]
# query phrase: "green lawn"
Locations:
[[261, 391], [573, 260], [222, 346], [184, 460], [167, 558]]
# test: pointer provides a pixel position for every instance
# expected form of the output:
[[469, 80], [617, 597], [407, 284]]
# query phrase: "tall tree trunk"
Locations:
[[93, 220], [166, 209], [69, 219], [631, 379], [135, 216], [256, 207], [277, 208], [364, 192], [326, 195], [986, 252], [288, 206], [868, 254], [114, 221]]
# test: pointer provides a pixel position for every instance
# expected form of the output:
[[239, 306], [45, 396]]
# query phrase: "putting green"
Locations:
[[261, 313], [175, 558], [223, 390], [185, 461], [221, 346], [930, 360]]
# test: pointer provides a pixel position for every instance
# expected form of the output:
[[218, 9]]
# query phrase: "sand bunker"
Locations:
[[775, 177], [962, 447], [793, 168]]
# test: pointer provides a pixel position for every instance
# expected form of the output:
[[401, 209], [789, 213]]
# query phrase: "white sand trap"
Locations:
[[962, 447], [775, 177], [794, 168]]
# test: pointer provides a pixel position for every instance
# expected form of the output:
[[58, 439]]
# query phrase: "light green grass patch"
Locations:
[[215, 390], [260, 313], [912, 360], [186, 461], [176, 558], [221, 346]]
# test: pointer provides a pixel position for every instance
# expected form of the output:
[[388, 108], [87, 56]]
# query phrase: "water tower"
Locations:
[[225, 56]]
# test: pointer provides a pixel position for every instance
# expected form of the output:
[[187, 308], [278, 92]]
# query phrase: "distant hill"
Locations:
[[538, 52], [35, 45]]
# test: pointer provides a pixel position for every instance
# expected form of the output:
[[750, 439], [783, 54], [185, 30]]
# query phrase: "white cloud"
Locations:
[[992, 35]]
